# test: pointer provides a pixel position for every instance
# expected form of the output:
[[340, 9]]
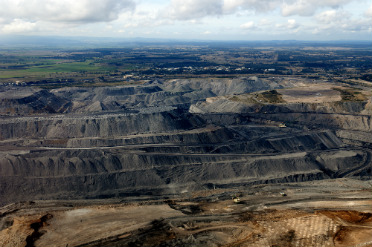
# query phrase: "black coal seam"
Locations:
[[36, 234]]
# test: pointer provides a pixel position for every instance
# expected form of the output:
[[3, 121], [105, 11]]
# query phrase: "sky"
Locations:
[[190, 19]]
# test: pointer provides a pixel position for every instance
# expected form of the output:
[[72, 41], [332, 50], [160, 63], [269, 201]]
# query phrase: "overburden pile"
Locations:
[[167, 137]]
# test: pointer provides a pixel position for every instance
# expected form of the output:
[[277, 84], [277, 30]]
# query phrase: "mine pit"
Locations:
[[245, 161]]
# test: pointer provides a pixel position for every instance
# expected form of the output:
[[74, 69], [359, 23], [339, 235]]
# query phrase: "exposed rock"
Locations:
[[163, 138]]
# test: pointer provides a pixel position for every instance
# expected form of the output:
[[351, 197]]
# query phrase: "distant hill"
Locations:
[[24, 41]]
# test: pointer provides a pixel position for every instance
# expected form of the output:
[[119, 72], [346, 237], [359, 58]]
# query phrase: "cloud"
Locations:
[[193, 9], [67, 11], [292, 24], [309, 7], [248, 25], [331, 17], [369, 11], [231, 6], [303, 8], [265, 22], [340, 21], [19, 26], [188, 17]]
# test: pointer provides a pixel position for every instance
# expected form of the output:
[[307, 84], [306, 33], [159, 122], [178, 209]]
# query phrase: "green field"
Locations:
[[56, 66]]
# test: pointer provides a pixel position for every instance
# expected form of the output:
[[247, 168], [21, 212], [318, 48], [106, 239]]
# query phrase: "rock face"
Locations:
[[38, 102], [173, 136], [99, 126]]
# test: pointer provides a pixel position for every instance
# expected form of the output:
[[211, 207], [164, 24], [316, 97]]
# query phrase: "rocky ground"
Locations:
[[323, 213], [177, 138], [162, 138]]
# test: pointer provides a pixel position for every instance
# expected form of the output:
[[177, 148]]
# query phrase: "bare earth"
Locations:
[[240, 162], [313, 93], [323, 213]]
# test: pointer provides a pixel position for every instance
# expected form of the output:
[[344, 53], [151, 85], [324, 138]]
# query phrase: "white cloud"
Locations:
[[287, 7], [356, 26], [141, 20], [73, 11], [303, 8], [332, 17], [230, 6], [19, 26], [194, 21], [188, 18], [256, 5], [309, 7], [193, 9], [265, 22], [3, 21], [248, 25], [340, 21], [369, 11], [292, 24]]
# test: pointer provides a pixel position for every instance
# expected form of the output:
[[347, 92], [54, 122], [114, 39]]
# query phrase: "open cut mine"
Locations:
[[186, 162]]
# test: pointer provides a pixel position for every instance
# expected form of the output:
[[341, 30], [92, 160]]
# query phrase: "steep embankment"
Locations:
[[342, 115], [187, 161], [39, 102], [63, 174], [77, 126], [167, 137]]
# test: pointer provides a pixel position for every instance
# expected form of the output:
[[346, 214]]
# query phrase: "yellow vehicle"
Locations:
[[236, 199]]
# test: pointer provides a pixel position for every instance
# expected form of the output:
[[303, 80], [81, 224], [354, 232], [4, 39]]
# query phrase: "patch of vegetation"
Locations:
[[350, 94], [46, 70], [367, 77], [244, 98], [67, 67], [271, 96]]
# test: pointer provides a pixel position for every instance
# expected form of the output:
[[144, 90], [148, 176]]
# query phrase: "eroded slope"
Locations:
[[162, 138]]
